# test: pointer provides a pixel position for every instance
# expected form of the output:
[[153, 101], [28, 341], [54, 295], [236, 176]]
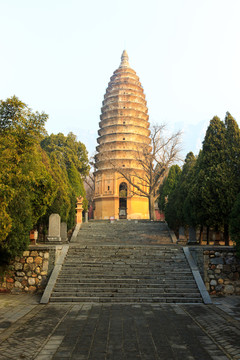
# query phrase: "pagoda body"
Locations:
[[124, 128]]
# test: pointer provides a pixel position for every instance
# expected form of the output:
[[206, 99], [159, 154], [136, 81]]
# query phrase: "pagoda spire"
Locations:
[[124, 59]]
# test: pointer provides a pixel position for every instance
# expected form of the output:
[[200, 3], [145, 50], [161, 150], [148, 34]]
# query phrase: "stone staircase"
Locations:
[[125, 273]]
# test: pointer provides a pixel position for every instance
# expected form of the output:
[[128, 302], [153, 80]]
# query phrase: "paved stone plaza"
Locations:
[[118, 331]]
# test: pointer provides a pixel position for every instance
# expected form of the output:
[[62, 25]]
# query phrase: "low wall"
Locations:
[[219, 267], [30, 272]]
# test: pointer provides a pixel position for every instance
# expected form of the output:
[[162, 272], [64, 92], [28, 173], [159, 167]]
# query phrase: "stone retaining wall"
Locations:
[[30, 272], [220, 269]]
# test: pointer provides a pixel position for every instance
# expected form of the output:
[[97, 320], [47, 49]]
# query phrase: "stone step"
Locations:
[[118, 270], [102, 281], [101, 268], [123, 274], [130, 265], [149, 291], [126, 284], [140, 299], [130, 255], [98, 257], [117, 262], [142, 278], [124, 248], [125, 295], [124, 251]]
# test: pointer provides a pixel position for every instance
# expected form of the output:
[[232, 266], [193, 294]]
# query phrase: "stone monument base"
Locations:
[[54, 239]]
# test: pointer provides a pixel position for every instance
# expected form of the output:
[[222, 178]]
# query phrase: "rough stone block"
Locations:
[[38, 260], [29, 260], [26, 253], [20, 273], [18, 266], [227, 282], [230, 260], [216, 261], [227, 268], [218, 287], [32, 266], [45, 265], [10, 285], [17, 284], [229, 289], [24, 283], [236, 276], [31, 281], [26, 267], [32, 288], [34, 253], [213, 282]]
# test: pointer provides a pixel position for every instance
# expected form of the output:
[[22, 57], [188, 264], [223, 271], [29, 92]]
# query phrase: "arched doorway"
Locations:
[[123, 201]]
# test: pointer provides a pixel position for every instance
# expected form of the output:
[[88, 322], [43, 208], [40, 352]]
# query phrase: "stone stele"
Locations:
[[63, 231], [54, 232]]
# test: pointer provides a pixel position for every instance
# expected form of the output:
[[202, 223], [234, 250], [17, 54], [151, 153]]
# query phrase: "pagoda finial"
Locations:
[[124, 59]]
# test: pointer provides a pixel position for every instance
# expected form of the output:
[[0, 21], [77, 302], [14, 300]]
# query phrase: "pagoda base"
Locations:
[[108, 207]]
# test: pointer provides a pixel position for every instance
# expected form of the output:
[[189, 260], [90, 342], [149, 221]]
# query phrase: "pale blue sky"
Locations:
[[58, 56]]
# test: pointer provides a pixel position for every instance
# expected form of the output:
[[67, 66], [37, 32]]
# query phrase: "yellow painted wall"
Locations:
[[137, 208], [107, 199]]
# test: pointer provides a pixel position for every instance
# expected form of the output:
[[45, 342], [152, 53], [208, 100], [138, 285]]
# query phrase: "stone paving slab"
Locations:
[[29, 330]]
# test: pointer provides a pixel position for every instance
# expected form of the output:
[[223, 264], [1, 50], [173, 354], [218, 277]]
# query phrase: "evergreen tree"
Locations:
[[169, 184], [219, 170], [26, 187], [234, 222], [69, 163], [194, 212], [174, 213]]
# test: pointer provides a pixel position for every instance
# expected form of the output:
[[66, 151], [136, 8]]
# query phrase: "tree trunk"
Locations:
[[226, 234], [151, 204], [201, 235]]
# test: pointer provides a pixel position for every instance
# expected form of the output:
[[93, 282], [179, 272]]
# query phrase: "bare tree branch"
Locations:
[[153, 162]]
